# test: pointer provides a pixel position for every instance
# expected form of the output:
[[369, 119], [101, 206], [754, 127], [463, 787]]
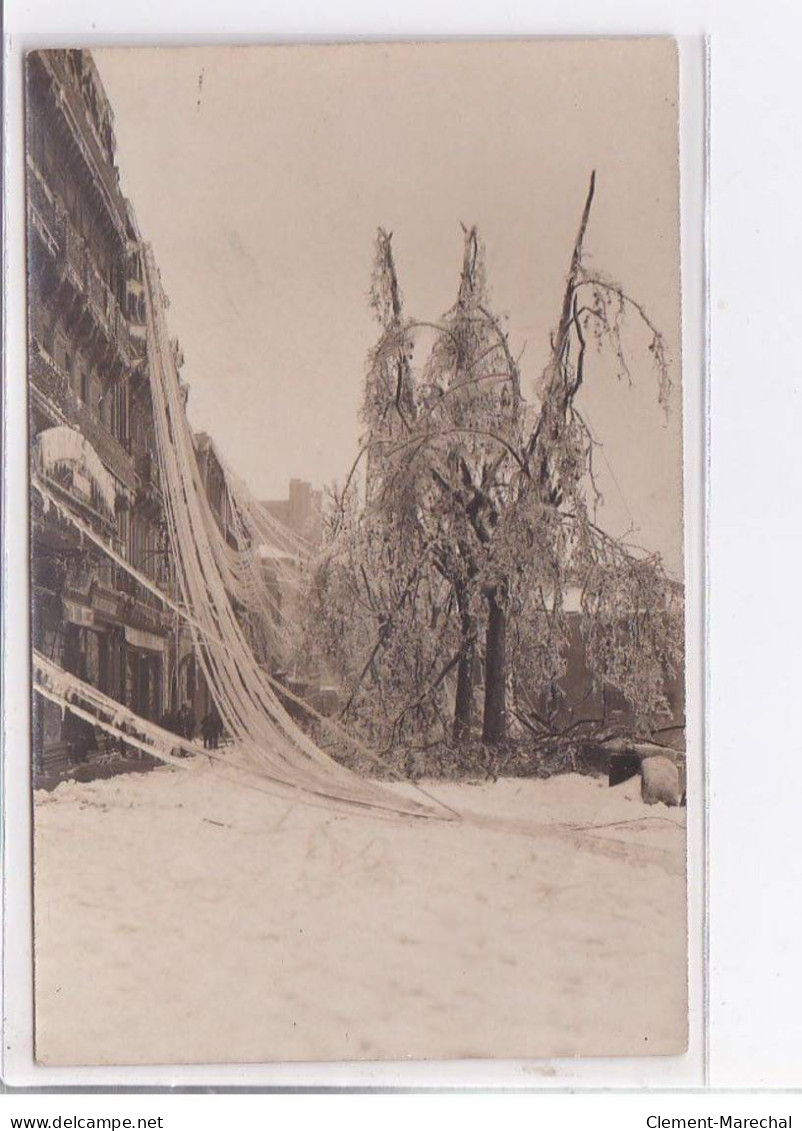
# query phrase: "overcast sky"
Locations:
[[260, 175]]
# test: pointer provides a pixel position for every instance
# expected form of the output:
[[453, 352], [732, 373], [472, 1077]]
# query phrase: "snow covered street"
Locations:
[[183, 918]]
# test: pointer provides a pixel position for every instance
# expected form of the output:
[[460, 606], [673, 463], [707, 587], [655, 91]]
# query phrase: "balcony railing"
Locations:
[[42, 213], [126, 584], [70, 103], [54, 385], [139, 600], [73, 252], [122, 332], [147, 468], [99, 298], [106, 600], [148, 496], [78, 265]]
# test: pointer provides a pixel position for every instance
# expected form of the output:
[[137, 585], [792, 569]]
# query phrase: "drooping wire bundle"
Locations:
[[212, 574], [229, 573]]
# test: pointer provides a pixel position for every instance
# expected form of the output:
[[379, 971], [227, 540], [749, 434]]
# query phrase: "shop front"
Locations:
[[145, 667]]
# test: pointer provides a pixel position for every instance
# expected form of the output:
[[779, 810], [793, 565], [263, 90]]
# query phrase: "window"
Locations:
[[60, 350], [47, 332], [105, 405], [123, 531], [76, 374], [114, 410]]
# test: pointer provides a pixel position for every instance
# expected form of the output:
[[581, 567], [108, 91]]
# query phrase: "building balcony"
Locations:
[[126, 584], [138, 339], [79, 578], [98, 299], [147, 468], [148, 495], [60, 402], [122, 334], [106, 602], [72, 258], [70, 103], [77, 271], [70, 486], [144, 610], [107, 314], [42, 215]]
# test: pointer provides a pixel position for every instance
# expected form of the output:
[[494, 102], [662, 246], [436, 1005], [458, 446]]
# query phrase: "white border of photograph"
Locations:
[[26, 31]]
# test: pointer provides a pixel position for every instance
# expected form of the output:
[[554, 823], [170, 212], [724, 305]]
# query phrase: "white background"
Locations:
[[755, 480]]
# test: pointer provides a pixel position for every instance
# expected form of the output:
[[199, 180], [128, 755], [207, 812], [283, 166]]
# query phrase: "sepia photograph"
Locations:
[[356, 552]]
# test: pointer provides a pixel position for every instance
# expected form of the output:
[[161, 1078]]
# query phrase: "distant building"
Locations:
[[214, 480], [301, 511]]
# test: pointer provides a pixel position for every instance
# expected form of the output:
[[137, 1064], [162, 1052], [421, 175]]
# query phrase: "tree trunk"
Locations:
[[494, 729], [463, 706]]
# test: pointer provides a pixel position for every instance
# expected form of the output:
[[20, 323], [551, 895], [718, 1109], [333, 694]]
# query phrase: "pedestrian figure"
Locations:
[[207, 729], [215, 728], [188, 722]]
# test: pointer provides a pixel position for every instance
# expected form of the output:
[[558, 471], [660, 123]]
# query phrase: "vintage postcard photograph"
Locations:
[[358, 630]]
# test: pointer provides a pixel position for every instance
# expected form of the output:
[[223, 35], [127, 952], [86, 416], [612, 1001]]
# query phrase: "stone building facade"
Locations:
[[91, 416]]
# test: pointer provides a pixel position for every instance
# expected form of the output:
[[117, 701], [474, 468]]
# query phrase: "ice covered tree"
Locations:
[[631, 609], [378, 610], [477, 516]]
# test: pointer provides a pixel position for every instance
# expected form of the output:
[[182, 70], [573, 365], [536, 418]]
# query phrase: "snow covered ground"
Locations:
[[183, 918]]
